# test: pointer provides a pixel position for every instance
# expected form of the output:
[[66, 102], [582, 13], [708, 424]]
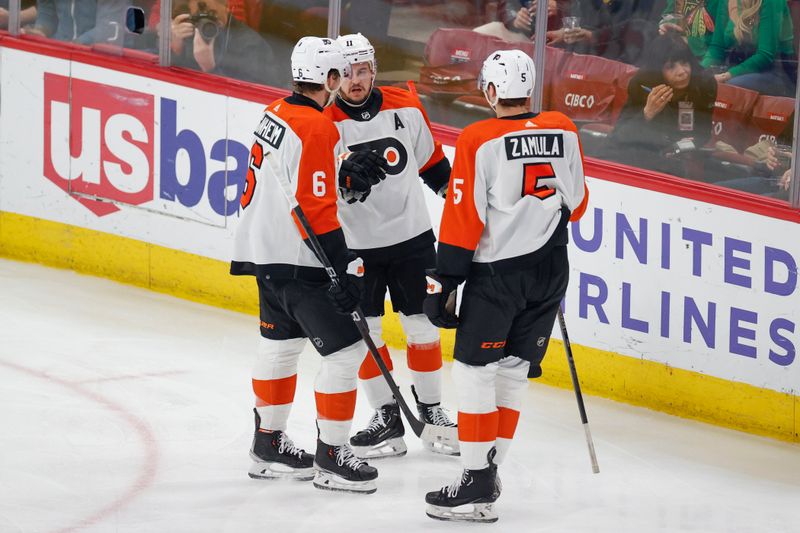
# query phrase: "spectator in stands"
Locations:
[[670, 99], [517, 19], [753, 44], [693, 19], [205, 36], [614, 29], [27, 14], [64, 20]]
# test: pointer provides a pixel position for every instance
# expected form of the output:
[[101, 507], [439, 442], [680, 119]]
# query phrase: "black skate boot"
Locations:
[[469, 499], [432, 413], [276, 457], [383, 437], [338, 469]]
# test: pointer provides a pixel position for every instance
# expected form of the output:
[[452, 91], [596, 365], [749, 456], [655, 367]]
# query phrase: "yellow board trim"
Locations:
[[635, 381]]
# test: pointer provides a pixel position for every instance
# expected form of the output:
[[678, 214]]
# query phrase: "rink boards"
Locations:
[[676, 303]]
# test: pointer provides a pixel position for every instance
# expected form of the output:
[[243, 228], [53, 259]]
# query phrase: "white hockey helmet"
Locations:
[[358, 49], [510, 71], [314, 57]]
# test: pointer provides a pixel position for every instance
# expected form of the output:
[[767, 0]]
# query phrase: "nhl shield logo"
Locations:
[[365, 115], [540, 342], [318, 342]]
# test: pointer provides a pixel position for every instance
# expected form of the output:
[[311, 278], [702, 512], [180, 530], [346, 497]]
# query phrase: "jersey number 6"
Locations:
[[531, 174], [256, 158]]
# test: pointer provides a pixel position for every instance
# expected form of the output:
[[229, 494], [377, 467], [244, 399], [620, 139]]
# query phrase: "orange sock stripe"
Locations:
[[507, 423], [480, 427], [425, 357], [369, 368], [274, 391], [338, 406]]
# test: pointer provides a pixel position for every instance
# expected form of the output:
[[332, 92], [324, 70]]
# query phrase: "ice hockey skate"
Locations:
[[383, 437], [432, 413], [338, 469], [276, 457], [470, 498]]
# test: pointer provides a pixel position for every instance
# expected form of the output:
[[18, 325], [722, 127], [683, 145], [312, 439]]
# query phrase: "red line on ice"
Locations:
[[148, 470]]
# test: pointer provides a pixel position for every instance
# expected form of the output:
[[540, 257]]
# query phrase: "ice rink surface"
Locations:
[[123, 410]]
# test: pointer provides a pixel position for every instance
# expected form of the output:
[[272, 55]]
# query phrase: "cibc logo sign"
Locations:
[[100, 144], [579, 100]]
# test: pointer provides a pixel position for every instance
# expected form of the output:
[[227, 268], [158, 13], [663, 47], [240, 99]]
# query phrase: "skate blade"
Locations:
[[267, 470], [442, 448], [470, 512], [444, 435], [325, 480], [395, 447]]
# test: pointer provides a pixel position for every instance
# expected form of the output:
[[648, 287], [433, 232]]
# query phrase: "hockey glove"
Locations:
[[358, 172], [440, 304], [375, 166], [346, 295]]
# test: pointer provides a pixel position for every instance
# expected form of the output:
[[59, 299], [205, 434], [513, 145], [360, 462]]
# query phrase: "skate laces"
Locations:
[[452, 490], [344, 456], [377, 422], [285, 444], [439, 416]]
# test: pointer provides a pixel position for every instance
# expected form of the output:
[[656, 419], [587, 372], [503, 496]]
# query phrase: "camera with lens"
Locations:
[[206, 22]]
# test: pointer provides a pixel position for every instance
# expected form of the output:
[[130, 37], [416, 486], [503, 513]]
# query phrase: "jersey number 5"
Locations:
[[531, 174], [256, 159]]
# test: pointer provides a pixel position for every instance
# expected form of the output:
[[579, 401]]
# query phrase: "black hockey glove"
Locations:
[[346, 296], [440, 304], [375, 166], [358, 172]]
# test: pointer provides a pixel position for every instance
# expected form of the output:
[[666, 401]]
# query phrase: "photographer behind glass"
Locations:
[[205, 36]]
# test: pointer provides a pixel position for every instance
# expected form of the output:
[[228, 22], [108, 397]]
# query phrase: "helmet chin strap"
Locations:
[[332, 92], [489, 101]]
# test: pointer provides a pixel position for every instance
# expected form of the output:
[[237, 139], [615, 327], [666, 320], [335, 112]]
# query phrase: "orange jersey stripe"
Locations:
[[275, 391], [338, 406], [425, 357], [507, 423], [369, 368], [480, 427]]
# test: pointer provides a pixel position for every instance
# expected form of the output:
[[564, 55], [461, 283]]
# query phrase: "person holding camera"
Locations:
[[205, 36]]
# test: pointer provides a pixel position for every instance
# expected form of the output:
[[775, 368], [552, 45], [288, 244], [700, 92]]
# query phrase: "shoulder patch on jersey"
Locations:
[[270, 131], [535, 145]]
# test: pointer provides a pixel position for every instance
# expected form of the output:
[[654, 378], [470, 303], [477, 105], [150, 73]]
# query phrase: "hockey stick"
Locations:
[[442, 434], [576, 385]]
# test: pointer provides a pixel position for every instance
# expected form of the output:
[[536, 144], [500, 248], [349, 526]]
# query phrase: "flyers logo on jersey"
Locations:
[[535, 145], [392, 149]]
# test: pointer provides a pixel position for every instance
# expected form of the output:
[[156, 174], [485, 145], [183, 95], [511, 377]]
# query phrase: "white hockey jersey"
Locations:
[[392, 123], [511, 178], [293, 142]]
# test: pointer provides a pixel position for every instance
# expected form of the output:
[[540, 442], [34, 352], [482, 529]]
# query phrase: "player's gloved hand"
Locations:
[[440, 304], [352, 197], [375, 166], [346, 295], [352, 175]]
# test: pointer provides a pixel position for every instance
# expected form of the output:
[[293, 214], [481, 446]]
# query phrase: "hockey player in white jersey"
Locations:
[[516, 182], [392, 232], [296, 145]]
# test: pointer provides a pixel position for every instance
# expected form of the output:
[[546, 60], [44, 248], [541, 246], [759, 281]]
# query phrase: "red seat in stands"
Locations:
[[731, 115], [589, 88], [771, 115]]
